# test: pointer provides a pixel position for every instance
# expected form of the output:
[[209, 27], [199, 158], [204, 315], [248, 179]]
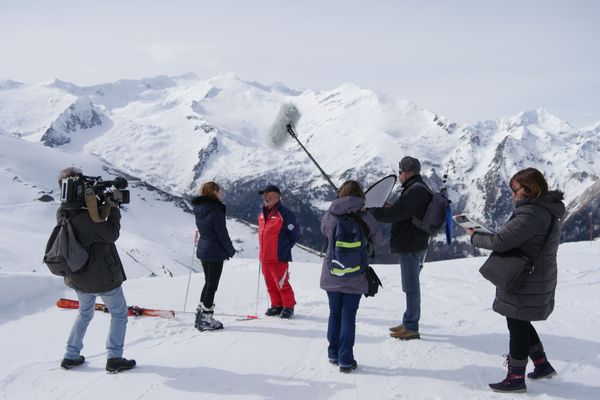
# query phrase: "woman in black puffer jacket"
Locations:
[[214, 247], [534, 230]]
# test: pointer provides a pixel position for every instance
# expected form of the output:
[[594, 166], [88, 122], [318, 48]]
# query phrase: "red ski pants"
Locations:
[[278, 285]]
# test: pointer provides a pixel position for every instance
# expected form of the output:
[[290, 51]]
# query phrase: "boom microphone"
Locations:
[[284, 125], [278, 133]]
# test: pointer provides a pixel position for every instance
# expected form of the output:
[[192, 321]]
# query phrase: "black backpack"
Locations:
[[349, 254], [436, 214], [64, 254]]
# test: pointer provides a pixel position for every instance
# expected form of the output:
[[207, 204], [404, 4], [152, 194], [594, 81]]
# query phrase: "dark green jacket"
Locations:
[[104, 270]]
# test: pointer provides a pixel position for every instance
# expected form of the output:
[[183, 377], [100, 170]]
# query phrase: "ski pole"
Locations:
[[255, 316], [190, 274]]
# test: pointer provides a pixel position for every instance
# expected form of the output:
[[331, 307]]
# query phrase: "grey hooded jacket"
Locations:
[[349, 284], [527, 229]]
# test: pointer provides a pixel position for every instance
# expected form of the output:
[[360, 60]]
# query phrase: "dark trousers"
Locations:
[[212, 274], [341, 329], [522, 336]]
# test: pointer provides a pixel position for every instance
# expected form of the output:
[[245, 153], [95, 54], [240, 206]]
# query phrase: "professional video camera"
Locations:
[[73, 190]]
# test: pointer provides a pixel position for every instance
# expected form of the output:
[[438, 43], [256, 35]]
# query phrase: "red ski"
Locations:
[[133, 310]]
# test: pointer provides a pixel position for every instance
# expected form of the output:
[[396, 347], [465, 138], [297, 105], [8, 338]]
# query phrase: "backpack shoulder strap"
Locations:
[[362, 223]]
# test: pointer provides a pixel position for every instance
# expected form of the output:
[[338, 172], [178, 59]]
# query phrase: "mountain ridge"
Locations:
[[174, 132]]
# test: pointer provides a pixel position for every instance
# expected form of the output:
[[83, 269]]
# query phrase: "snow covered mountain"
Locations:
[[174, 132]]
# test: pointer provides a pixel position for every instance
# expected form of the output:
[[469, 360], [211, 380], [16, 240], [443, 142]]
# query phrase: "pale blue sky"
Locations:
[[466, 60]]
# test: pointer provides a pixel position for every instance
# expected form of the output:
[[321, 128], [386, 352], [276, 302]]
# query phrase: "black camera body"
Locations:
[[74, 188]]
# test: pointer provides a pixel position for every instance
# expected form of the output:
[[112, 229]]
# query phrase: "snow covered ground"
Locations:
[[460, 352]]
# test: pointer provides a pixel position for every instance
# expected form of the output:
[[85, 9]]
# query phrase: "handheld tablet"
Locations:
[[466, 222]]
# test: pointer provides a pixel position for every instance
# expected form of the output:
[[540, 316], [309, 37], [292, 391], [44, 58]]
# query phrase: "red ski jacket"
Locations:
[[278, 232]]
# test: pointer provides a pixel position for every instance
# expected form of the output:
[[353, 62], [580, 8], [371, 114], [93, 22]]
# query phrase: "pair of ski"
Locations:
[[135, 311]]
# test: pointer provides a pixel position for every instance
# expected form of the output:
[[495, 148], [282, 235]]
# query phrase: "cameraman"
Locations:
[[101, 276]]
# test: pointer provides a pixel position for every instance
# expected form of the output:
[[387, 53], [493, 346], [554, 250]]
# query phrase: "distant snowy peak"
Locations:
[[9, 84], [78, 116], [536, 119], [593, 128]]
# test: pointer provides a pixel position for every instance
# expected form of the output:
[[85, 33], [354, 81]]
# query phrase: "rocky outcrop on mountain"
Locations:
[[78, 116]]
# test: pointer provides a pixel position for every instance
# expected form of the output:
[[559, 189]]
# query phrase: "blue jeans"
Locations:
[[410, 267], [342, 326], [115, 301]]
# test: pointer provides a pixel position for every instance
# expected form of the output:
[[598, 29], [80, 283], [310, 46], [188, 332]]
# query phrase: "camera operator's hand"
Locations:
[[109, 202]]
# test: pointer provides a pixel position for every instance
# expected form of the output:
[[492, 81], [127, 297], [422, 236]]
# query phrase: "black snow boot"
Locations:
[[287, 313], [114, 365], [68, 363], [350, 368], [272, 311], [543, 368], [515, 379]]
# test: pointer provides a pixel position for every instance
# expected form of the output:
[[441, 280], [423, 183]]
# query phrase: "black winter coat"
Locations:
[[405, 237], [104, 270], [214, 243], [532, 300]]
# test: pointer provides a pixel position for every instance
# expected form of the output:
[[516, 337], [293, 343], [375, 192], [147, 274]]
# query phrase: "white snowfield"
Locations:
[[459, 354]]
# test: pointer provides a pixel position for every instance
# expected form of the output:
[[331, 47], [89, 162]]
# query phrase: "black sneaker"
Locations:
[[114, 365], [272, 311], [287, 313], [347, 370], [68, 363]]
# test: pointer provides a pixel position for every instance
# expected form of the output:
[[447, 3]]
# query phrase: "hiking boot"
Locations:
[[272, 311], [114, 365], [406, 334], [68, 363], [348, 369], [287, 313], [544, 370], [515, 378], [205, 320], [333, 361], [399, 328]]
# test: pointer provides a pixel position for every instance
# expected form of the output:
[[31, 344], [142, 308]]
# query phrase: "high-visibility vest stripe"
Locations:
[[347, 245], [341, 272]]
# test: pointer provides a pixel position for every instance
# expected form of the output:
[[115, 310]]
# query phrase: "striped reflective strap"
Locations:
[[347, 245], [342, 272]]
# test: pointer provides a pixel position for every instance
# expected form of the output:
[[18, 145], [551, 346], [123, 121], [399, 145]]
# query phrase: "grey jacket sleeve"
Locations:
[[376, 237], [517, 231]]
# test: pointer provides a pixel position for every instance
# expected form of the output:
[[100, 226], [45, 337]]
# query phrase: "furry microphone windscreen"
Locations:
[[278, 133]]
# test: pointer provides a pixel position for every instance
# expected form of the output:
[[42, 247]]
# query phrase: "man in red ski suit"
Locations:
[[278, 231]]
